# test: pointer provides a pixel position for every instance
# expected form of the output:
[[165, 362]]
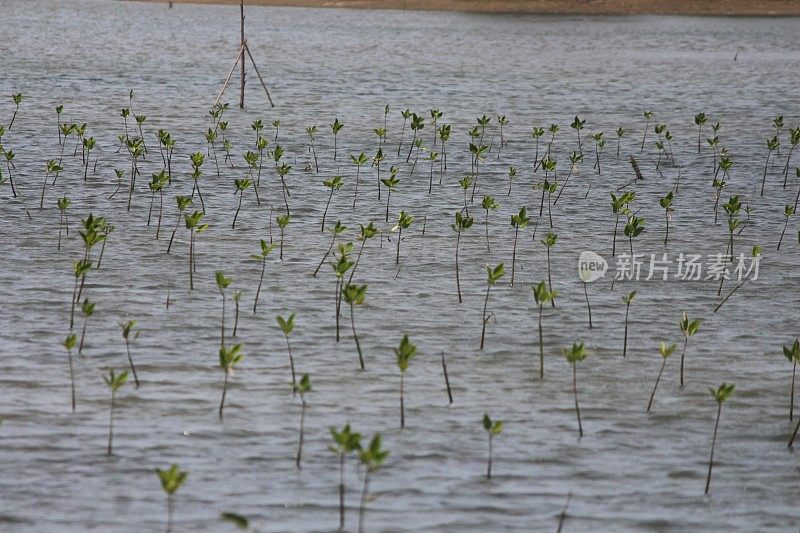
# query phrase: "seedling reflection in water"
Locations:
[[493, 428], [114, 382], [171, 480], [542, 297], [722, 393], [575, 355], [493, 275], [665, 351]]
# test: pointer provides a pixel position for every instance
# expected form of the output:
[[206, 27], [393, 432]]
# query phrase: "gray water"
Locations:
[[630, 471]]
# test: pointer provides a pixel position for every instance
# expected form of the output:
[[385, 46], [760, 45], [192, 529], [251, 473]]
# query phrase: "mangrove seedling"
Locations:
[[69, 344], [79, 270], [367, 232], [628, 299], [171, 480], [792, 353], [311, 130], [688, 328], [599, 143], [391, 184], [87, 310], [336, 230], [647, 116], [236, 297], [417, 123], [197, 160], [114, 382], [222, 284], [633, 228], [372, 458], [585, 275], [666, 204], [788, 212], [336, 127], [127, 329], [549, 241], [536, 133], [720, 394], [377, 159], [334, 184], [228, 359], [493, 428], [358, 161], [406, 114], [462, 223], [542, 297], [287, 325], [17, 98], [261, 257], [183, 202], [465, 183], [772, 145], [403, 222], [488, 204], [699, 119], [340, 268], [404, 353], [493, 275], [794, 140], [665, 351], [518, 221], [88, 145], [574, 159], [577, 125], [283, 221], [575, 355], [354, 295], [194, 227], [302, 387], [51, 168], [63, 204], [346, 442], [444, 136], [157, 185], [241, 186]]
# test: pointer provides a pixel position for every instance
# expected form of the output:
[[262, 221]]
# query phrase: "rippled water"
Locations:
[[631, 471]]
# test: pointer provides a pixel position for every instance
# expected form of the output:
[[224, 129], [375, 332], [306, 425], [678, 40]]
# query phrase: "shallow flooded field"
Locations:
[[630, 471]]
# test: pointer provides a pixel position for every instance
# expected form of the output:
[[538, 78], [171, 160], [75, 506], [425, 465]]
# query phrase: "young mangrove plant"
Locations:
[[536, 133], [391, 184], [518, 221], [666, 204], [63, 204], [628, 299], [283, 221], [404, 353], [794, 140], [403, 222], [287, 325], [340, 268], [493, 275], [599, 144], [334, 184], [792, 353], [157, 184], [79, 270], [354, 295], [720, 394], [127, 329], [51, 168], [222, 284], [262, 258], [699, 120], [228, 359], [69, 344], [87, 310], [194, 227], [665, 351], [406, 114], [236, 297], [577, 125], [549, 241], [336, 127], [171, 480], [575, 355], [241, 185], [772, 145], [114, 383], [688, 328], [336, 230], [620, 131], [377, 159], [542, 297], [371, 458], [488, 204], [493, 428], [417, 123], [465, 183], [311, 131], [788, 212], [619, 206], [346, 442], [183, 202], [633, 228], [358, 161], [647, 116], [197, 160], [462, 223], [302, 387], [17, 98]]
